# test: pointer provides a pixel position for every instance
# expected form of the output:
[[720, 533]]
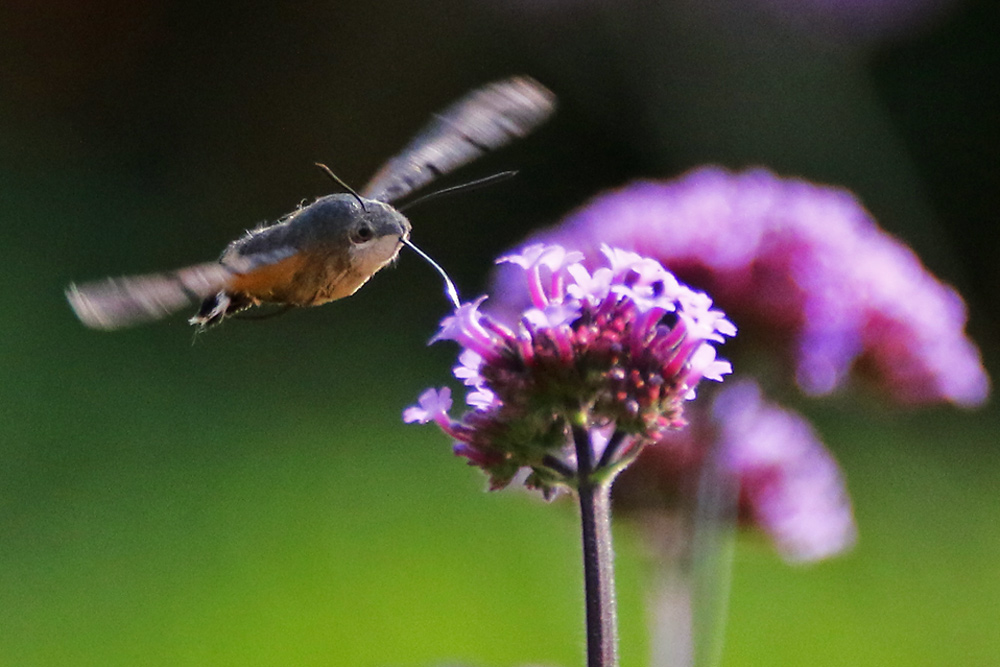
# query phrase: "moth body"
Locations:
[[329, 249]]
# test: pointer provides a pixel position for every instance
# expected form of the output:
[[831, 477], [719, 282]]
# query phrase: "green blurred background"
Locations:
[[253, 499]]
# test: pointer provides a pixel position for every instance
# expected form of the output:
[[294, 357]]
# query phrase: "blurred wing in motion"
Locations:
[[477, 124], [114, 303]]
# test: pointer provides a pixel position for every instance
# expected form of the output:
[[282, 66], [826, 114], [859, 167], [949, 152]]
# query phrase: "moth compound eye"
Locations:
[[362, 234]]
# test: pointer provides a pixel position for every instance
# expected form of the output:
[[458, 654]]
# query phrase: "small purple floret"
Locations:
[[433, 405]]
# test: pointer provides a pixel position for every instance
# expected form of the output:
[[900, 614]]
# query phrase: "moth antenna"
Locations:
[[449, 286], [339, 181], [461, 187]]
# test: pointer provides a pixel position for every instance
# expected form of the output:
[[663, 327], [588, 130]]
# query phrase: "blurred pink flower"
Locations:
[[803, 268]]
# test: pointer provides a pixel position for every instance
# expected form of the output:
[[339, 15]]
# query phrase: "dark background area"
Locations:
[[254, 499]]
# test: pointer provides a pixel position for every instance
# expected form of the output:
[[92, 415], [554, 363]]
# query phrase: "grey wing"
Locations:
[[480, 122], [115, 303]]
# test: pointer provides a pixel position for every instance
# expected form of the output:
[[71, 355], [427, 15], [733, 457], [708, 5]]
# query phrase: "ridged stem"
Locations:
[[594, 492]]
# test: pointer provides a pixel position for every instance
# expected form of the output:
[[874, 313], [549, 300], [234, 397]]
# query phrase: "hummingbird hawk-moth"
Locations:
[[330, 248]]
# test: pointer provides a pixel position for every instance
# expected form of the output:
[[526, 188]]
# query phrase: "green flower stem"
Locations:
[[594, 492]]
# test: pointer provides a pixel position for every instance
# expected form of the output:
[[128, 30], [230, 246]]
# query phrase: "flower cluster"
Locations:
[[607, 355], [814, 283], [792, 261]]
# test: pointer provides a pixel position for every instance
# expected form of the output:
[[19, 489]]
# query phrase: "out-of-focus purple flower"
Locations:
[[609, 355], [803, 268], [789, 485]]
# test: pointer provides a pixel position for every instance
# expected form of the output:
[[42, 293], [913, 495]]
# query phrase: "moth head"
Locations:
[[375, 235]]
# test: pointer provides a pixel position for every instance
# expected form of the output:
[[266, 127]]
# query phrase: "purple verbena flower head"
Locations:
[[612, 352], [804, 269], [790, 487]]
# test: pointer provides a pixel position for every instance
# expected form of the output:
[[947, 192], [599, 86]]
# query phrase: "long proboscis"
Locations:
[[449, 286]]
